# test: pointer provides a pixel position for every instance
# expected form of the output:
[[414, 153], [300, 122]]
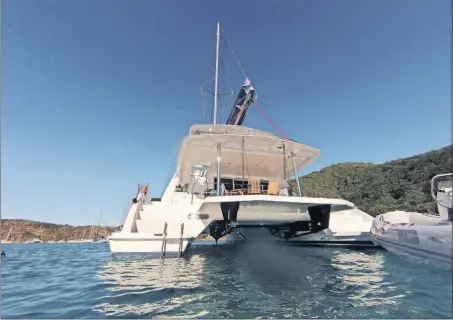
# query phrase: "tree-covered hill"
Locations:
[[24, 230], [402, 184]]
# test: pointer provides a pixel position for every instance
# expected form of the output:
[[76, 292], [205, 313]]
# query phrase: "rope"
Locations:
[[239, 114], [243, 159], [203, 96], [226, 79], [203, 106], [256, 104], [246, 162], [234, 54], [271, 121]]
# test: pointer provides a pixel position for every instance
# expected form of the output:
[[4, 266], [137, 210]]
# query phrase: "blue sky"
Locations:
[[96, 95]]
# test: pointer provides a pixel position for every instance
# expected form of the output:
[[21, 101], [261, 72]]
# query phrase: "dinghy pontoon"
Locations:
[[426, 236]]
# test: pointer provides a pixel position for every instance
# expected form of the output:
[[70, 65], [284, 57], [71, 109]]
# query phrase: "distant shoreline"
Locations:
[[23, 230]]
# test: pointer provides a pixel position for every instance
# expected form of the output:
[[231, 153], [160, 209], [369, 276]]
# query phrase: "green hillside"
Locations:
[[24, 230], [402, 184]]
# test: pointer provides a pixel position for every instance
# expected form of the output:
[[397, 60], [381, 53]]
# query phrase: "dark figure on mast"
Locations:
[[245, 97]]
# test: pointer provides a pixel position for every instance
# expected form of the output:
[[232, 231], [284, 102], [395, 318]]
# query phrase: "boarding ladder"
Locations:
[[164, 241]]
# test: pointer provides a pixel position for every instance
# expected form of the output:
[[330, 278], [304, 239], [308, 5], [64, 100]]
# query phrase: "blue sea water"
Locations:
[[249, 281]]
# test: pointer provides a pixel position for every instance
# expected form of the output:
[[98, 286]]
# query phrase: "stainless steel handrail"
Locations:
[[433, 187]]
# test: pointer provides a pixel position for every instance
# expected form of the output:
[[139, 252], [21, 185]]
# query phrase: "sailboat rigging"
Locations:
[[194, 202]]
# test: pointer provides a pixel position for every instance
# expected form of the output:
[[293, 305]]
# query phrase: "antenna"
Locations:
[[216, 75]]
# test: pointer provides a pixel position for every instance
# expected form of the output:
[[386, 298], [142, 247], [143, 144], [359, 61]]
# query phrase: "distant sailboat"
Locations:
[[96, 238], [7, 237]]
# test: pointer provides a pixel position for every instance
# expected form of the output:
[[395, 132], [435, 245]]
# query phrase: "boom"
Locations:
[[243, 100]]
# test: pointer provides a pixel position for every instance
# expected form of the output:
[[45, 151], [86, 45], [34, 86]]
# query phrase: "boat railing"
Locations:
[[203, 191], [234, 130], [210, 190], [138, 202], [434, 189]]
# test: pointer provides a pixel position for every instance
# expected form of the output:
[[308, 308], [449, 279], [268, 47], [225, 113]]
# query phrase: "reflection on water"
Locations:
[[393, 286], [365, 273], [262, 279], [151, 286], [153, 272], [255, 280], [364, 278]]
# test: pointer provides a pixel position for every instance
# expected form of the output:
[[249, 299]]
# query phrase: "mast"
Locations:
[[216, 74], [99, 227], [9, 233], [219, 152]]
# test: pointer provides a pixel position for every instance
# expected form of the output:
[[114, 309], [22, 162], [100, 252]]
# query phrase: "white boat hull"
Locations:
[[147, 243], [259, 209], [327, 238], [414, 234], [346, 228], [34, 241], [403, 250], [143, 231]]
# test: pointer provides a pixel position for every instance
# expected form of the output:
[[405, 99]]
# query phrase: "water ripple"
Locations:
[[256, 280]]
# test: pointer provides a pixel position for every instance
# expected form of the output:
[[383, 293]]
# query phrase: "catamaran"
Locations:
[[230, 178]]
